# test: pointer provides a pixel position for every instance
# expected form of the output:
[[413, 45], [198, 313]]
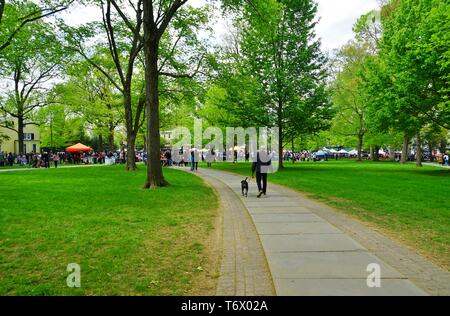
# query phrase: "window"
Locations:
[[34, 148], [28, 136]]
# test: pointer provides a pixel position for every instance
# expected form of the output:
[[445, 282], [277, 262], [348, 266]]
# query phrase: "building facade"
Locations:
[[10, 143]]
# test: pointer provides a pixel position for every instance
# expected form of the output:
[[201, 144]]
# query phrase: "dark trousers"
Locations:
[[261, 177]]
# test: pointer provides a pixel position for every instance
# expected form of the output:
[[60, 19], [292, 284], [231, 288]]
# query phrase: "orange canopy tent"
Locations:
[[78, 147]]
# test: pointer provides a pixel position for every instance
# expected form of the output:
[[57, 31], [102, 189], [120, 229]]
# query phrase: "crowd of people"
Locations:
[[48, 159], [303, 155], [32, 159], [443, 159], [186, 157]]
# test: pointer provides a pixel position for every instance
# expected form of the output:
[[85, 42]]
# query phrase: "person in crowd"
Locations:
[[168, 156], [440, 159], [209, 158], [194, 159], [55, 159], [46, 158], [446, 158], [10, 159], [163, 160]]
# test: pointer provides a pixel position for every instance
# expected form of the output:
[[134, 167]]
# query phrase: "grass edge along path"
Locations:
[[127, 240], [405, 203]]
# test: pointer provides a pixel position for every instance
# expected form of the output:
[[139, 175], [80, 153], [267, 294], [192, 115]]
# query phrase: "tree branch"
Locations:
[[132, 28], [172, 50], [28, 19], [167, 17], [99, 68], [189, 76], [8, 127], [112, 41]]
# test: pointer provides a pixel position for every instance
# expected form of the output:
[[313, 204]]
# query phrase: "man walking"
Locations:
[[261, 166], [55, 159], [194, 159]]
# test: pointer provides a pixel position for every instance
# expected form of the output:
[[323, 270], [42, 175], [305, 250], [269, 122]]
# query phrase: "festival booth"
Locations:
[[343, 153], [320, 155], [78, 148]]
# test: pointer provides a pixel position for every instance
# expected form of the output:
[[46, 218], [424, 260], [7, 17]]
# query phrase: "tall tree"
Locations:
[[123, 35], [89, 94], [284, 55], [348, 96], [409, 82], [29, 63], [154, 28]]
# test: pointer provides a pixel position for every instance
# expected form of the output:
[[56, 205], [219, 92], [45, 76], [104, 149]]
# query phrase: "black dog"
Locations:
[[244, 187]]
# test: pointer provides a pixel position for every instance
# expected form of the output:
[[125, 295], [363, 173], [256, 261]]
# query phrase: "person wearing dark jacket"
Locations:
[[261, 166]]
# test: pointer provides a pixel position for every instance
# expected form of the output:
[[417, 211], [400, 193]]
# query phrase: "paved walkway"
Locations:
[[244, 270], [310, 248], [435, 165]]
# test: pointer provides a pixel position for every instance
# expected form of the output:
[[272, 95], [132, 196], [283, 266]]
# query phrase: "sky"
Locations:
[[337, 18]]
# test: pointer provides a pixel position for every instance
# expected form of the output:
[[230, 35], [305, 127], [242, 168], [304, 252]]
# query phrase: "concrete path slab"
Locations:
[[308, 242], [285, 218], [296, 228], [305, 253], [328, 265], [244, 269], [272, 210], [344, 287]]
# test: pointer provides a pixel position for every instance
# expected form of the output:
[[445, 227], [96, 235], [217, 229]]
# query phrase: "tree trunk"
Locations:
[[100, 143], [131, 152], [111, 139], [442, 145], [155, 176], [430, 150], [404, 157], [20, 135], [360, 144], [419, 151], [280, 135], [51, 132], [111, 132], [293, 150], [131, 134], [145, 142], [375, 153]]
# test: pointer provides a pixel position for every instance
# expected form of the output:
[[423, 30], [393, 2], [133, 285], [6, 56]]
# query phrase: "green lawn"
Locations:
[[127, 240], [14, 166], [408, 203]]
